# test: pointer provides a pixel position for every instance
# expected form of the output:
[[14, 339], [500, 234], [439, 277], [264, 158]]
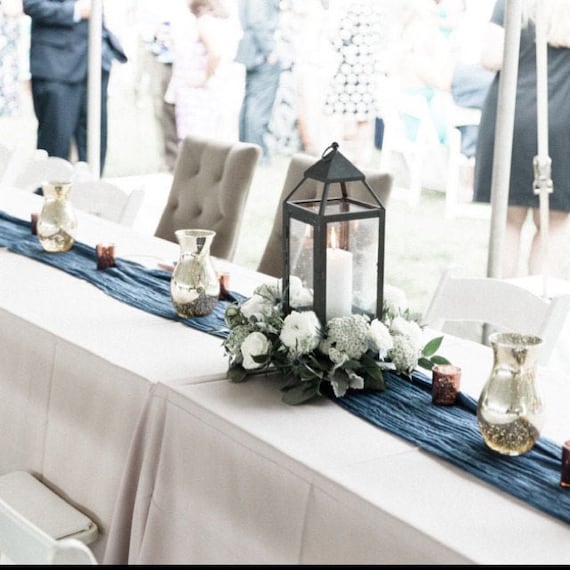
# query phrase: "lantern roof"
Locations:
[[333, 167]]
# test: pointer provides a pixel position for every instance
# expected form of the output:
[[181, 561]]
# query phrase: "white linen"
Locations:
[[129, 416]]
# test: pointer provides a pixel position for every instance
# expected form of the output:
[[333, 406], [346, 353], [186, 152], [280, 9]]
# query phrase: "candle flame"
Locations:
[[334, 239]]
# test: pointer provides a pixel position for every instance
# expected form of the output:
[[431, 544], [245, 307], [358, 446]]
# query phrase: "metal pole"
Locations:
[[504, 136], [542, 162], [94, 87]]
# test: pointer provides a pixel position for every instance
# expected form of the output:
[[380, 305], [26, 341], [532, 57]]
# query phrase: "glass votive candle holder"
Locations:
[[105, 255], [446, 379], [34, 223], [224, 279], [565, 472]]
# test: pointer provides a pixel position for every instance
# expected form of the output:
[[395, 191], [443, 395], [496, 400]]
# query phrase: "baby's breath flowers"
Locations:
[[347, 353]]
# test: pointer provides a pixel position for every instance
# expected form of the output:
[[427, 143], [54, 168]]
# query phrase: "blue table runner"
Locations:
[[404, 409], [130, 282]]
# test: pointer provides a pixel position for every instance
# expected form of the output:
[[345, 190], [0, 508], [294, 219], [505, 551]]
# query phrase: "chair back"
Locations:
[[209, 191], [39, 527], [500, 304], [108, 201], [271, 259]]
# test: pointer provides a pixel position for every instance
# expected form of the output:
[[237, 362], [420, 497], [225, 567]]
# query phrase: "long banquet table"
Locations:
[[130, 416]]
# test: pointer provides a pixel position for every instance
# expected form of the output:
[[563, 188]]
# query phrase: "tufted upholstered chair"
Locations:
[[271, 258], [209, 191]]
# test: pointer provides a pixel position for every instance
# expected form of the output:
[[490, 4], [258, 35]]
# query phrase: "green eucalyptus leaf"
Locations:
[[237, 374], [425, 363], [439, 360], [301, 393], [432, 346]]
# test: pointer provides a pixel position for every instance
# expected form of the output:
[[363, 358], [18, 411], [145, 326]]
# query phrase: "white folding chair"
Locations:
[[500, 304], [37, 526], [41, 169], [106, 200]]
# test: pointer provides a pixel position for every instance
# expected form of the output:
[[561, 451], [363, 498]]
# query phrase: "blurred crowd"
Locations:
[[329, 69]]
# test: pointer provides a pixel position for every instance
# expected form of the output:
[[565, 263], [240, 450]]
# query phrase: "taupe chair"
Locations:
[[271, 258], [209, 191]]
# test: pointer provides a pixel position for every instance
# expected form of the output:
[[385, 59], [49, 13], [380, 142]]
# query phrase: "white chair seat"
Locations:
[[37, 526]]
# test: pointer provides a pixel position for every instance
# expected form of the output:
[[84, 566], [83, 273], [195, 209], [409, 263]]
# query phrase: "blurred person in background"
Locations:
[[154, 68], [206, 87], [522, 201], [58, 67], [351, 95], [257, 51]]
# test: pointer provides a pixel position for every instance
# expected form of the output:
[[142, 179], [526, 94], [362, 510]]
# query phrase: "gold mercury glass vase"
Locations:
[[194, 285], [510, 411], [57, 223]]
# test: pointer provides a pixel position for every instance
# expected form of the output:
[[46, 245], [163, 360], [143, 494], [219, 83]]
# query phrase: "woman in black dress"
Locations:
[[522, 198]]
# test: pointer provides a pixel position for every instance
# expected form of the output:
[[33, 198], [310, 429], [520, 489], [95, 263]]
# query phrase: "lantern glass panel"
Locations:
[[301, 265]]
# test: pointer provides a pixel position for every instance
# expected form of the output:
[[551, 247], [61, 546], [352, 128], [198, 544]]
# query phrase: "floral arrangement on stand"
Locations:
[[347, 352]]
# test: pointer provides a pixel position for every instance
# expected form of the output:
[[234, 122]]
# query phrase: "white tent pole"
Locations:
[[504, 136], [542, 175], [94, 88]]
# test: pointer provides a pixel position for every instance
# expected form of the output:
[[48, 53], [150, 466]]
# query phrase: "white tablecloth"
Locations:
[[130, 417], [226, 473], [77, 365]]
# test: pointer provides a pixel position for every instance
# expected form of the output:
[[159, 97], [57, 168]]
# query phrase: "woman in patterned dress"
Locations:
[[10, 12], [351, 97]]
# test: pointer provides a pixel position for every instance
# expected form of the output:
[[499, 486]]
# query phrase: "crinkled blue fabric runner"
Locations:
[[404, 409], [452, 433], [132, 283]]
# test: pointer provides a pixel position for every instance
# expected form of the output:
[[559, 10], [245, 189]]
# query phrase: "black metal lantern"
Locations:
[[333, 244]]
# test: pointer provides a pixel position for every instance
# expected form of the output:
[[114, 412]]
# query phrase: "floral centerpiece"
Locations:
[[347, 352]]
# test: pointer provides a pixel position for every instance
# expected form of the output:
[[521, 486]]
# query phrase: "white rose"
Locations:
[[255, 344], [256, 306], [411, 329], [301, 332], [380, 338]]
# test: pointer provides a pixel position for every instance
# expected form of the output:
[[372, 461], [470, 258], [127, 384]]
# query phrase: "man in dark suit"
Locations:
[[58, 66]]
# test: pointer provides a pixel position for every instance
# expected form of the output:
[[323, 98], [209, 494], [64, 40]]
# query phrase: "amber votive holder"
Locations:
[[224, 279], [446, 380], [105, 255], [565, 472], [34, 223]]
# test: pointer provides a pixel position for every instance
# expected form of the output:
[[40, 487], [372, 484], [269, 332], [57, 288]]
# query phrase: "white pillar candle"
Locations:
[[339, 283]]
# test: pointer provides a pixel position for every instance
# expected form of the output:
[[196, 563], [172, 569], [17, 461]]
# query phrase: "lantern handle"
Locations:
[[332, 148]]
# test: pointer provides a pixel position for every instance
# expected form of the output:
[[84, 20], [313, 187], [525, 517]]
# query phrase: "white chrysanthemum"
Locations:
[[257, 307], [395, 301], [404, 354], [349, 335], [255, 344], [301, 332], [400, 326], [380, 338]]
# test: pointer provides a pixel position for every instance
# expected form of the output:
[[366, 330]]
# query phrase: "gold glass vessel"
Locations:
[[194, 285], [510, 410], [57, 223]]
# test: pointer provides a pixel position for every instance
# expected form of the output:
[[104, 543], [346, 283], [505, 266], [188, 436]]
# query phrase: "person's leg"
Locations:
[[557, 248], [80, 132], [258, 103], [56, 106], [516, 216]]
